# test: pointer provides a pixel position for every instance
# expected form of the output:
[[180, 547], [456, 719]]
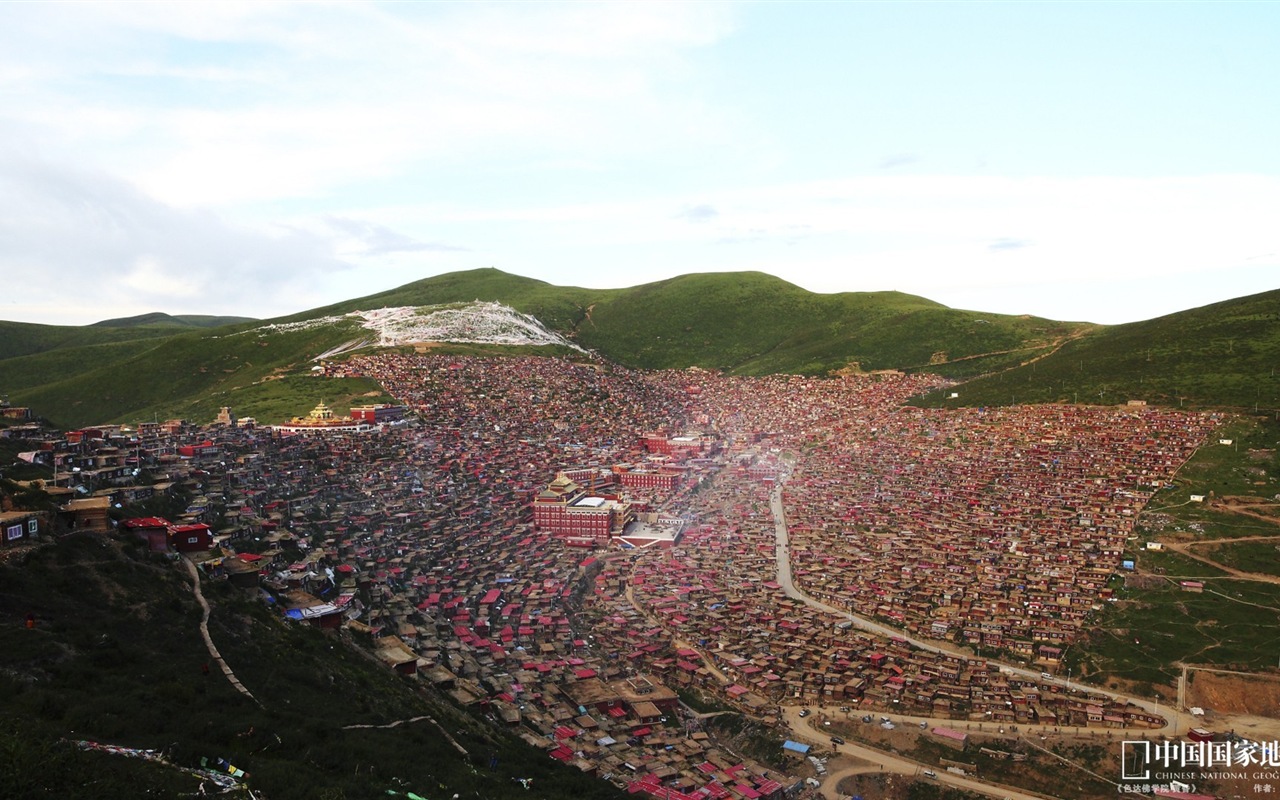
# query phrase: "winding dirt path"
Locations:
[[1184, 548], [397, 723], [208, 640], [1049, 349]]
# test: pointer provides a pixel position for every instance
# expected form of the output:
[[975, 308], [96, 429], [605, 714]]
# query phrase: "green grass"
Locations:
[[746, 323], [66, 363], [1208, 523], [1141, 637], [1220, 355], [973, 366], [559, 308], [1174, 565], [752, 323], [176, 375], [36, 764], [1243, 468], [23, 338], [276, 401], [178, 321], [1247, 468], [1259, 557]]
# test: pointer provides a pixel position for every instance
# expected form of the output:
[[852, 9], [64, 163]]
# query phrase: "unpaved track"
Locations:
[[204, 632], [800, 729]]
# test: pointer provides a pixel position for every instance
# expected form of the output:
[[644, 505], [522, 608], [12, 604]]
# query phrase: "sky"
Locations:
[[1107, 162]]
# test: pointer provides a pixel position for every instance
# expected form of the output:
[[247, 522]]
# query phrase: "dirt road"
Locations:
[[802, 731]]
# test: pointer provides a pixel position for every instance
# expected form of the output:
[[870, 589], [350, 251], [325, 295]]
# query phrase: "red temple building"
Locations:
[[679, 447], [666, 477], [566, 509]]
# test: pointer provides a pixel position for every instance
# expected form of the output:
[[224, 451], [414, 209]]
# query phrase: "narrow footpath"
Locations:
[[204, 632]]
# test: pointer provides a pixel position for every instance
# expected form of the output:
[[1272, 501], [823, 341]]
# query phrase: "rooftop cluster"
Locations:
[[997, 529]]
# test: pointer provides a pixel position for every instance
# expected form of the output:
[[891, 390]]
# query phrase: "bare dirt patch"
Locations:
[[890, 786], [1258, 695]]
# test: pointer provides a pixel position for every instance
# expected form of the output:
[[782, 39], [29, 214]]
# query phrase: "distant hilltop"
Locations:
[[181, 320]]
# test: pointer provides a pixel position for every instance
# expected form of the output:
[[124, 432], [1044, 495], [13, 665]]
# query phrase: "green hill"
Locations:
[[187, 374], [180, 321], [742, 323], [24, 338], [116, 656], [753, 323], [1219, 355]]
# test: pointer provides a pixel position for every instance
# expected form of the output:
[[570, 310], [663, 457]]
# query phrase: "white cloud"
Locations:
[[286, 154], [261, 101], [927, 235], [71, 234]]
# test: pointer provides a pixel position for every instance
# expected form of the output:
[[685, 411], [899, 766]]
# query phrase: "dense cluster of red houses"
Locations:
[[447, 541]]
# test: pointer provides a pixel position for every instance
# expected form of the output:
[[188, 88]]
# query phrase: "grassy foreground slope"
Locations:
[[1224, 354], [1234, 623], [116, 657]]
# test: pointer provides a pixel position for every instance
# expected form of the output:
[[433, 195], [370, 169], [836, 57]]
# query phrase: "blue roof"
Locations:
[[796, 746]]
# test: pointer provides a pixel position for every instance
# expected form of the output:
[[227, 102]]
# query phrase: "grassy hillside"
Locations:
[[743, 323], [279, 400], [24, 338], [753, 323], [184, 375], [116, 657], [179, 321], [1225, 354], [52, 366]]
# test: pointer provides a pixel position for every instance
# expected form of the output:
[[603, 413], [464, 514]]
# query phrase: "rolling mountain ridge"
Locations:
[[740, 323]]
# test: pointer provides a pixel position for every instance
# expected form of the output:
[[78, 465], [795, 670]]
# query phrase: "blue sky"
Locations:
[[1088, 161]]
